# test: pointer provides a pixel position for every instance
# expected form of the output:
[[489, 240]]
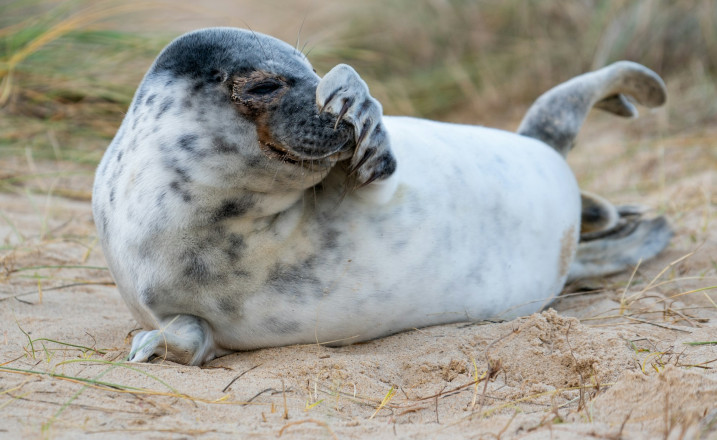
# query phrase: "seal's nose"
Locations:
[[297, 123]]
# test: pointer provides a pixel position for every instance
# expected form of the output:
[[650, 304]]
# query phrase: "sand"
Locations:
[[607, 360]]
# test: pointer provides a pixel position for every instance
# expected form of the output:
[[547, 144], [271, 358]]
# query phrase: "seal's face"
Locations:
[[288, 123], [271, 90]]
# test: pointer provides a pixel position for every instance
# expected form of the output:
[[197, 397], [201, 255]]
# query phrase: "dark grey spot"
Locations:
[[195, 268], [233, 208], [254, 161], [295, 280], [331, 238], [241, 273], [281, 325], [103, 220], [148, 296], [133, 143], [386, 164], [183, 174], [235, 247], [187, 142], [166, 105], [137, 100], [227, 305], [146, 249], [197, 87], [222, 146], [183, 193]]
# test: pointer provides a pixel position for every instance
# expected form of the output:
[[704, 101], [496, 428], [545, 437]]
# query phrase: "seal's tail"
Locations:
[[612, 238], [557, 115]]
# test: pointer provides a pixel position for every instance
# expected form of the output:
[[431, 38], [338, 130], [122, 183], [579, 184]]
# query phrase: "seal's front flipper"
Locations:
[[630, 240], [343, 93], [557, 115], [183, 339]]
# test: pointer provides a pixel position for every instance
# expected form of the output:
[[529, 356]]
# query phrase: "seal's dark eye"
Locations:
[[264, 88]]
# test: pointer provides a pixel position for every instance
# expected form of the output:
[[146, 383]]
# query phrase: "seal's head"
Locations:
[[250, 95]]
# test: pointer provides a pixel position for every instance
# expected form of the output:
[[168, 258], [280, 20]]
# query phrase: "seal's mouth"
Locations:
[[284, 154], [280, 153]]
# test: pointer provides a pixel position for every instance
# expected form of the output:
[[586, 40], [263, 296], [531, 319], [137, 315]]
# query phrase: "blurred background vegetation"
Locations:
[[68, 69]]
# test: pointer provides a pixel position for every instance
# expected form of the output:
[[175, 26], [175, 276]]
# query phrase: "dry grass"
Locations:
[[64, 79], [67, 75], [479, 60]]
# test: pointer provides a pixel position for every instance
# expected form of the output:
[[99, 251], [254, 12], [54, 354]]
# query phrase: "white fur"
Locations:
[[475, 223], [496, 206]]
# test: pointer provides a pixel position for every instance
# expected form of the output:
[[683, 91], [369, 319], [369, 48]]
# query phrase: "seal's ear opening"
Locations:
[[219, 75]]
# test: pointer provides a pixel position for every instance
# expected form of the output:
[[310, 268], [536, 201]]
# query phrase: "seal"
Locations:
[[246, 202]]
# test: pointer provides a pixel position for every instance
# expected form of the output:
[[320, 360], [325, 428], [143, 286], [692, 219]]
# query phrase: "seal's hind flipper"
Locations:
[[598, 214], [631, 240], [618, 105], [612, 239], [556, 116], [599, 217], [615, 238]]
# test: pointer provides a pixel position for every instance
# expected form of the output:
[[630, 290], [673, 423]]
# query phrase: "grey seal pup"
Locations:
[[246, 202]]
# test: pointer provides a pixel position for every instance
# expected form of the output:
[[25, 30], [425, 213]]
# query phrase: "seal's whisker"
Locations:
[[313, 190], [298, 34], [304, 47], [309, 51], [261, 46], [348, 186], [273, 179], [316, 181]]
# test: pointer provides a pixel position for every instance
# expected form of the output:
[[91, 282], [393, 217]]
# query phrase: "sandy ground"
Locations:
[[608, 360], [606, 363]]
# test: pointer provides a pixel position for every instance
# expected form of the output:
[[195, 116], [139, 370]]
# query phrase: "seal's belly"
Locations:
[[482, 224]]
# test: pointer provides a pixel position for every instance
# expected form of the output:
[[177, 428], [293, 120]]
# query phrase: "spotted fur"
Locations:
[[246, 202]]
